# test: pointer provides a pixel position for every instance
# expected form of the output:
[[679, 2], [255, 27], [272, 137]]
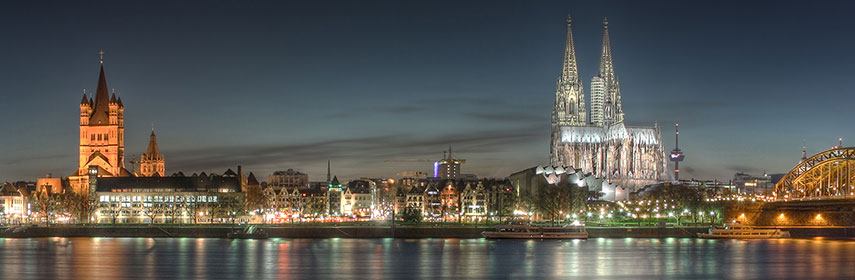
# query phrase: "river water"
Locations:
[[337, 258]]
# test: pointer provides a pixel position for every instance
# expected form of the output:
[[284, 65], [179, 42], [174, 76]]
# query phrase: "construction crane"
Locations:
[[445, 155]]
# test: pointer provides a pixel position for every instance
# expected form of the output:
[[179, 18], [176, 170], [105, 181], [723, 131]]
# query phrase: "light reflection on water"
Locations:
[[117, 258]]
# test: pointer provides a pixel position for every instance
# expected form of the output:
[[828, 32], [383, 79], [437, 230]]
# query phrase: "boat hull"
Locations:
[[744, 236], [534, 235]]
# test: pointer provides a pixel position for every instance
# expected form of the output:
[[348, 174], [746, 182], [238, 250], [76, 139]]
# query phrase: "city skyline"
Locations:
[[360, 91]]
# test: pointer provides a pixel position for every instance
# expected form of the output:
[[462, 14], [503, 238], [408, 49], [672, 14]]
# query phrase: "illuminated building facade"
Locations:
[[199, 198], [448, 167], [288, 178], [334, 198], [604, 146], [152, 162], [102, 136]]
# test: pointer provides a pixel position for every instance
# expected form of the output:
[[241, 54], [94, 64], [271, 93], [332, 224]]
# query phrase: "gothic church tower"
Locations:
[[606, 106], [569, 109], [102, 135], [152, 162]]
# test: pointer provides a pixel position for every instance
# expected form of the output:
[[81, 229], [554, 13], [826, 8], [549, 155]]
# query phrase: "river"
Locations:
[[339, 258]]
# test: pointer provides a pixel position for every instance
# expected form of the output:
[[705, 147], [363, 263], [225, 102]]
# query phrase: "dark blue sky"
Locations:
[[273, 85]]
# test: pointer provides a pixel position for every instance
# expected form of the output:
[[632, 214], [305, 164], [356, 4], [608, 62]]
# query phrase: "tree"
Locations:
[[229, 206], [44, 203], [552, 201], [192, 207], [412, 215], [681, 197], [313, 206], [508, 203], [255, 200], [74, 205]]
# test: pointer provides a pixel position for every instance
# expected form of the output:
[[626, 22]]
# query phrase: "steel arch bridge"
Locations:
[[826, 175]]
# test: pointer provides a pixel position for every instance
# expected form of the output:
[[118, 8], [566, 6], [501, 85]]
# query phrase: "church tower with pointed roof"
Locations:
[[102, 135], [151, 162], [569, 108], [627, 156]]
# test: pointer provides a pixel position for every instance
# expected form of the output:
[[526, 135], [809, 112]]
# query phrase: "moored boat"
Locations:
[[250, 232], [740, 231], [536, 232]]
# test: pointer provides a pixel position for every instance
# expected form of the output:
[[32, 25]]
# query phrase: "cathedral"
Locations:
[[102, 140], [600, 143]]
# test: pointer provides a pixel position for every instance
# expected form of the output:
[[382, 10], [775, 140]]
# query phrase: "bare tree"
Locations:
[[44, 203]]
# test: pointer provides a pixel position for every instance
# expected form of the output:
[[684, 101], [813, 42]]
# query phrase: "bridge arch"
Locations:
[[826, 175]]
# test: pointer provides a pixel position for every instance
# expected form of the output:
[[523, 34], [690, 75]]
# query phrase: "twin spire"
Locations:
[[570, 106]]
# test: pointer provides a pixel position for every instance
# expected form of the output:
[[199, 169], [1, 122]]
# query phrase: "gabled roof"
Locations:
[[250, 180], [360, 190], [8, 189], [417, 190]]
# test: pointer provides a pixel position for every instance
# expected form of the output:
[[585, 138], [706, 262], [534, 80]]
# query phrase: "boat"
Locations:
[[249, 232], [740, 231], [536, 232]]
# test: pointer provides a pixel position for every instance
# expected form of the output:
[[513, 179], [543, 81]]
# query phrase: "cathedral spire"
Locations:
[[101, 108], [570, 106], [153, 151], [569, 71], [612, 111], [607, 70]]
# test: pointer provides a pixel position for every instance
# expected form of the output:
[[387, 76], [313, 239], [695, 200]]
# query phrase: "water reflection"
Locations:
[[118, 258]]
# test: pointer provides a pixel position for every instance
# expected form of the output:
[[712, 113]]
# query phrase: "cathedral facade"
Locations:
[[600, 143]]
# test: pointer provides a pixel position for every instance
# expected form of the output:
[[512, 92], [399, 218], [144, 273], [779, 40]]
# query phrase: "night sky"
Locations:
[[272, 85]]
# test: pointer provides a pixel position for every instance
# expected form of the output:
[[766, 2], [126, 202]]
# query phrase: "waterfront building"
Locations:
[[415, 198], [450, 199], [334, 198], [630, 156], [432, 202], [357, 201], [750, 184], [313, 201], [152, 163], [199, 198], [14, 208], [473, 201], [400, 200], [288, 178], [282, 203]]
